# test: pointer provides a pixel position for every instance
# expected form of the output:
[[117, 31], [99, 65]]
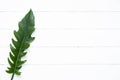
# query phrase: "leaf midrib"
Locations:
[[18, 56]]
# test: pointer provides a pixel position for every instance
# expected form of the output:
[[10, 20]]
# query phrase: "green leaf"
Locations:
[[21, 44]]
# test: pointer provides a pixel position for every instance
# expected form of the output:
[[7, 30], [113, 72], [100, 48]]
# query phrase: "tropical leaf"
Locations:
[[20, 44]]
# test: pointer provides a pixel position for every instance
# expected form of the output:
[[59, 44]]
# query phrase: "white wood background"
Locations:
[[75, 39]]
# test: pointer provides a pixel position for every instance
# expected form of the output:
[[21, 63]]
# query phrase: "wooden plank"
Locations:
[[64, 72], [86, 20], [64, 55], [63, 5], [70, 38]]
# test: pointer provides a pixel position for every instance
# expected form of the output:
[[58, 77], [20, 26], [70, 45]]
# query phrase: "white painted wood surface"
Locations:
[[75, 39]]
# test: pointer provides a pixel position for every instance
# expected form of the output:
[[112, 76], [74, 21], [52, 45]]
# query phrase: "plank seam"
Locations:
[[66, 11], [67, 64], [68, 28]]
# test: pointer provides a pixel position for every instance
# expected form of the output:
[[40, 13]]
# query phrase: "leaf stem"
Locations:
[[12, 76]]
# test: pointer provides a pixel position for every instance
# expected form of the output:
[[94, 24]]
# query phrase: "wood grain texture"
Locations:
[[67, 72], [75, 39], [64, 5], [64, 19], [71, 47]]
